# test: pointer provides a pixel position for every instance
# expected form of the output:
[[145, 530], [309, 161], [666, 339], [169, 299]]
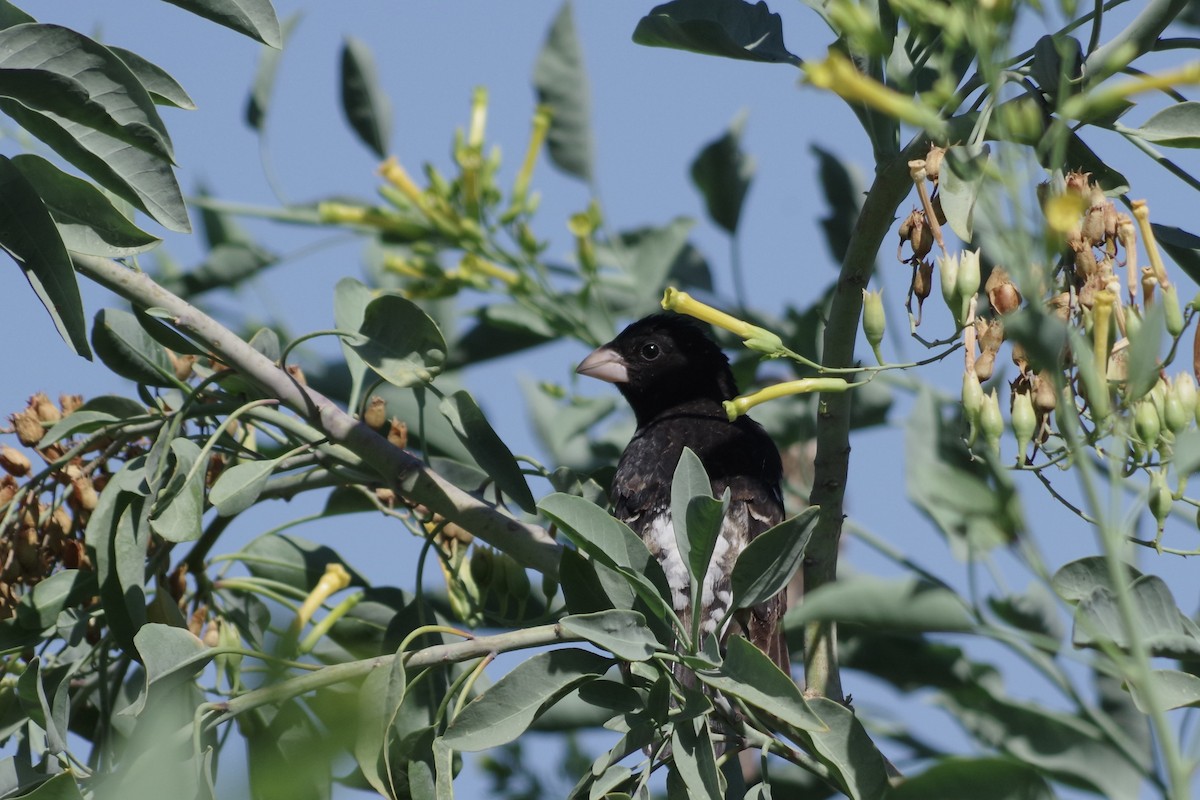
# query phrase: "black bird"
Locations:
[[675, 379]]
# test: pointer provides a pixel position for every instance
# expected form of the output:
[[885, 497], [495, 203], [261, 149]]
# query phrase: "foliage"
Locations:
[[135, 642]]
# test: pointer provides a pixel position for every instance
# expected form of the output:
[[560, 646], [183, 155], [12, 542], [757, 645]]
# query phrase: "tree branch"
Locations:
[[530, 545], [892, 184]]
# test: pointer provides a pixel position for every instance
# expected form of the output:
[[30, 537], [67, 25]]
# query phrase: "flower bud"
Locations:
[[1146, 424], [482, 566], [376, 414], [991, 422], [1184, 389], [873, 320], [1024, 422], [1171, 310], [969, 276], [972, 402], [948, 271], [1160, 500]]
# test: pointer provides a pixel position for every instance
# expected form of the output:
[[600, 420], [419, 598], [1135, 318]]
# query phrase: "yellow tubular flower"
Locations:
[[333, 581], [541, 126], [838, 74], [1102, 310], [752, 336], [393, 173], [743, 403], [1141, 212]]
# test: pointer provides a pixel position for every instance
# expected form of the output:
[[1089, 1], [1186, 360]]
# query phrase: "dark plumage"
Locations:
[[675, 379]]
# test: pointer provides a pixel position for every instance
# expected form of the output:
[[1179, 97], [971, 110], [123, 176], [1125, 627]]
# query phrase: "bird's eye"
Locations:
[[650, 351]]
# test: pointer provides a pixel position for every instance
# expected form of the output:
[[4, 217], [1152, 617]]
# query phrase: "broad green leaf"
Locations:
[[1171, 689], [239, 486], [1142, 363], [622, 633], [1077, 580], [288, 756], [292, 560], [768, 563], [95, 414], [962, 174], [399, 341], [11, 15], [693, 759], [843, 193], [844, 746], [254, 18], [89, 84], [504, 711], [750, 675], [117, 537], [366, 106], [87, 220], [609, 542], [688, 482], [31, 691], [126, 349], [1162, 627], [39, 608], [1181, 246], [60, 787], [1035, 611], [973, 502], [379, 699], [581, 585], [729, 28], [978, 778], [644, 262], [163, 89], [350, 299], [894, 605], [722, 172], [28, 234], [561, 84], [178, 507], [143, 179], [225, 266], [171, 655], [259, 101], [486, 447], [1174, 126]]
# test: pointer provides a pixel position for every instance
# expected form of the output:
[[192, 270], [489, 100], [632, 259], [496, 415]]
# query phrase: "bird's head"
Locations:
[[660, 362]]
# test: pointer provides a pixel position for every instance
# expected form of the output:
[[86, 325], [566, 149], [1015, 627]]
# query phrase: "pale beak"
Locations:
[[606, 364]]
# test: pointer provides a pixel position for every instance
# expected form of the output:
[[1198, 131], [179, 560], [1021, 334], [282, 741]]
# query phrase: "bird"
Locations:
[[675, 378]]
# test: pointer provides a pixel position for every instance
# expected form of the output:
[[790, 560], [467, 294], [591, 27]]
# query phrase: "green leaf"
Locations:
[[1077, 580], [1142, 363], [292, 560], [224, 266], [843, 195], [623, 633], [379, 700], [1162, 627], [143, 179], [723, 172], [729, 28], [488, 449], [366, 106], [50, 68], [163, 89], [254, 18], [978, 778], [95, 414], [688, 482], [60, 787], [693, 758], [399, 341], [28, 234], [39, 608], [126, 349], [750, 675], [87, 220], [259, 101], [895, 605], [1172, 689], [172, 656], [1080, 157], [504, 711], [1174, 126], [1181, 246], [239, 486], [962, 173], [31, 691], [117, 536], [847, 750], [1035, 611], [350, 299], [561, 84], [768, 563], [178, 507]]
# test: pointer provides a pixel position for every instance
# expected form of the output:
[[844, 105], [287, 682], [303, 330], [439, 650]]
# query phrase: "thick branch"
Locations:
[[528, 544], [891, 186]]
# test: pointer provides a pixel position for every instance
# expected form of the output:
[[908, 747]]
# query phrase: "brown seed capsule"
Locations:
[[72, 554], [376, 414], [933, 162], [182, 365], [923, 280], [1045, 399], [69, 403], [398, 433], [14, 462], [177, 582], [216, 465], [26, 550], [1079, 183], [45, 410], [985, 365], [8, 489], [59, 525], [197, 619], [85, 493], [1001, 292], [28, 427]]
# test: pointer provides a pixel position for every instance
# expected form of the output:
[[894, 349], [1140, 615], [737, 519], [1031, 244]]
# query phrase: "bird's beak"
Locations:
[[606, 364]]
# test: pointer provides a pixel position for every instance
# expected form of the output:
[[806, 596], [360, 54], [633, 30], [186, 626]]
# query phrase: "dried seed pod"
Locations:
[[1079, 183], [375, 415], [1093, 219], [1002, 292], [28, 427], [1045, 398], [182, 365], [69, 403], [398, 433], [44, 408], [985, 365], [933, 162], [85, 494], [14, 462]]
